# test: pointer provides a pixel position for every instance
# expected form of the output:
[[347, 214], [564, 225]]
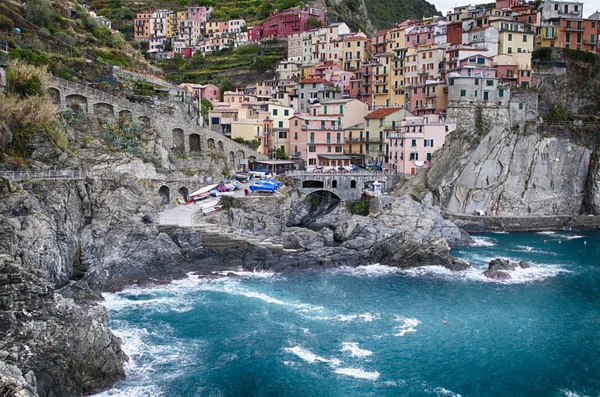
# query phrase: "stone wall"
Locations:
[[345, 186]]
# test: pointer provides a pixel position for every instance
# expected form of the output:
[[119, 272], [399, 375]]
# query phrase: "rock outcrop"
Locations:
[[498, 268], [50, 344]]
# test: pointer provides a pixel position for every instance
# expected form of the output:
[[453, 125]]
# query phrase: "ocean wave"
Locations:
[[354, 350], [374, 270], [357, 373], [133, 391], [440, 391], [479, 241], [262, 297], [248, 274], [365, 317], [407, 325], [568, 393], [537, 272], [548, 233], [309, 356]]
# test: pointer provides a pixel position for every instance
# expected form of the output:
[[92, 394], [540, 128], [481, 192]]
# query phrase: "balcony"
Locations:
[[574, 28], [326, 142], [322, 128], [358, 139], [374, 139]]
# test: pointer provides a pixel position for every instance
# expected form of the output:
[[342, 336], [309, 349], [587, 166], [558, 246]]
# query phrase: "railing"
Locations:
[[81, 174], [357, 173], [326, 142], [323, 128], [359, 139]]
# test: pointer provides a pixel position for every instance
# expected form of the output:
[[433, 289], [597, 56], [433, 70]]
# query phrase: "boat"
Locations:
[[200, 192], [260, 174], [263, 188], [236, 184], [211, 210], [230, 186], [241, 177], [270, 182], [209, 204], [216, 193]]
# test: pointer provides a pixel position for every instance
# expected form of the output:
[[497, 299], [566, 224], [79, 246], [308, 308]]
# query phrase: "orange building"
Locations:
[[141, 25], [578, 34]]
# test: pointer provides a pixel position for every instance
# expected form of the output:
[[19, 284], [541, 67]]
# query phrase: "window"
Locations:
[[324, 109], [428, 142], [286, 112], [451, 81], [568, 37], [381, 122], [524, 38], [463, 92], [302, 86], [274, 112], [328, 149], [414, 156], [338, 149], [428, 156], [476, 81], [301, 95], [312, 137], [510, 37], [314, 85], [341, 109], [481, 60], [413, 143], [475, 93], [368, 122], [489, 83], [280, 124], [501, 93], [312, 161], [312, 149], [296, 123], [295, 136], [521, 106], [510, 50]]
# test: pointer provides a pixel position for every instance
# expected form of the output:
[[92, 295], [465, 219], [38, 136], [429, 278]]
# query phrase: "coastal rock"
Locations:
[[498, 268], [62, 348]]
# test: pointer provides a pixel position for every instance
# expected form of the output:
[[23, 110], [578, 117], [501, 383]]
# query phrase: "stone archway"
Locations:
[[240, 155], [232, 157], [178, 141], [334, 184], [125, 115], [184, 193], [77, 102], [54, 95], [103, 109], [164, 194], [194, 143], [251, 159], [144, 120], [220, 146], [211, 144], [313, 184]]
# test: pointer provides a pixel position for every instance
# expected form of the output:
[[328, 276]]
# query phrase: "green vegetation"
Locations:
[[359, 207], [217, 66], [385, 13], [253, 144], [559, 112]]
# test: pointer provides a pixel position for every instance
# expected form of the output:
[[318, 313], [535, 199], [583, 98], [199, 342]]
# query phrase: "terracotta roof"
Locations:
[[311, 80], [381, 113]]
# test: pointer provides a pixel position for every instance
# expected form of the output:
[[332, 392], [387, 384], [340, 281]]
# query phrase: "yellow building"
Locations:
[[281, 126], [382, 70], [355, 146], [514, 37], [354, 50], [397, 46], [212, 28]]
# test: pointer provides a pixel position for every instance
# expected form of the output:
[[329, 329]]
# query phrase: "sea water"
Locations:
[[375, 330]]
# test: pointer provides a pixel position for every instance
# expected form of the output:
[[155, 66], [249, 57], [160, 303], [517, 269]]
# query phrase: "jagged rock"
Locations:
[[65, 349], [498, 268]]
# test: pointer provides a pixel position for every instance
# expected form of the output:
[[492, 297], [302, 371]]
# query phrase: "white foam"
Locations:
[[546, 232], [569, 237], [537, 272], [354, 350], [365, 317], [310, 357], [134, 391], [479, 241], [248, 274], [440, 391], [407, 325], [569, 393], [357, 373], [262, 297], [374, 270]]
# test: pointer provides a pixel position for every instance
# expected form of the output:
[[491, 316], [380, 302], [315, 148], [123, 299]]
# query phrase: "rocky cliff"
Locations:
[[520, 159]]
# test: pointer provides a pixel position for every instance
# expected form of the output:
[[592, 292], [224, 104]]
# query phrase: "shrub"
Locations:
[[26, 80]]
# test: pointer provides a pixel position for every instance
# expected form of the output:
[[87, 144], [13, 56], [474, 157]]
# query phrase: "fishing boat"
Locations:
[[202, 193], [241, 177], [236, 184], [211, 210], [216, 193], [263, 188]]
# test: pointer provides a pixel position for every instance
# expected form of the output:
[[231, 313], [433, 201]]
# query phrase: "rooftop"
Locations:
[[381, 112]]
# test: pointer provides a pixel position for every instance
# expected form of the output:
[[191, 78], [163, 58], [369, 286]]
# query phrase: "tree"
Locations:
[[206, 106], [278, 154], [226, 85], [315, 23]]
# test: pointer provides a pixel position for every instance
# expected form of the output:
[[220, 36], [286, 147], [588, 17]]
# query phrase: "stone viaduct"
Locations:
[[169, 119], [346, 186]]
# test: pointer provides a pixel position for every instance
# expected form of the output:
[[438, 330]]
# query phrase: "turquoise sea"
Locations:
[[375, 330]]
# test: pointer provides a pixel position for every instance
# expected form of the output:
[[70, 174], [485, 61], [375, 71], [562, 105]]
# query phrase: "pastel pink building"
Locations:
[[419, 35], [412, 143], [318, 141], [199, 14], [208, 91], [293, 20]]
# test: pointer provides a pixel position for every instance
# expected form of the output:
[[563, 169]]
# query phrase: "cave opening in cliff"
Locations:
[[317, 204]]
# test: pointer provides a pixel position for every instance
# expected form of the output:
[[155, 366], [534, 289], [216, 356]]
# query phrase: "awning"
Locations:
[[334, 156]]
